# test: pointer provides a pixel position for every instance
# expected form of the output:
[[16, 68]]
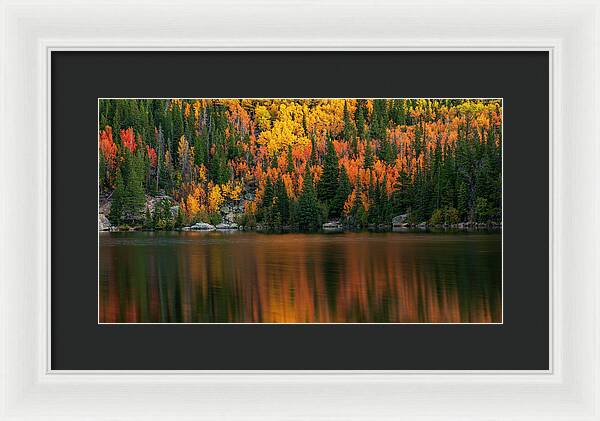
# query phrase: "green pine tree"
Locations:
[[147, 219], [313, 151], [360, 120], [179, 221], [134, 198], [328, 183], [343, 191], [348, 132], [368, 155], [282, 202], [308, 212], [116, 207]]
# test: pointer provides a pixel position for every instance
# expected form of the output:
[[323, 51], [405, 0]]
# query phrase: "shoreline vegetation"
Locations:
[[286, 165], [240, 221]]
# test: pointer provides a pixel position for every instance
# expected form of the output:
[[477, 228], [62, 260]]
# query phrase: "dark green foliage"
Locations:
[[148, 219], [217, 163], [398, 111], [381, 211], [451, 216], [482, 210], [328, 183], [102, 174], [282, 202], [386, 152], [275, 208], [308, 212], [348, 132], [162, 219], [401, 197], [360, 120], [116, 208], [269, 194], [179, 221], [313, 151], [437, 217], [133, 198], [379, 119], [368, 155], [344, 189]]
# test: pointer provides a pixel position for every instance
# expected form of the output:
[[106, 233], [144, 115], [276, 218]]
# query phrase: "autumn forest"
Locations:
[[296, 164]]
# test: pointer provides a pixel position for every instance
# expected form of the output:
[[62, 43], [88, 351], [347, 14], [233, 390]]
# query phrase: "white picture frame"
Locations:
[[569, 30]]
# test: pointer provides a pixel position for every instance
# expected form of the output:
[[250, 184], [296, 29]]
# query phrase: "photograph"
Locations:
[[300, 210]]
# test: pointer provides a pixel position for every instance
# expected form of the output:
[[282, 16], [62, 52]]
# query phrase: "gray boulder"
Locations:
[[103, 223], [332, 225], [400, 220], [226, 226], [202, 226]]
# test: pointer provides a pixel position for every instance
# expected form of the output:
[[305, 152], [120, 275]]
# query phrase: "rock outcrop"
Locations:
[[400, 220], [202, 226], [332, 226], [226, 226], [103, 223]]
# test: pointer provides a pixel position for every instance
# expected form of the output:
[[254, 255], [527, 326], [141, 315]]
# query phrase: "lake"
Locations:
[[250, 277]]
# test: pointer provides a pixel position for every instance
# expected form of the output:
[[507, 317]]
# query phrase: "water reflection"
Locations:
[[239, 277]]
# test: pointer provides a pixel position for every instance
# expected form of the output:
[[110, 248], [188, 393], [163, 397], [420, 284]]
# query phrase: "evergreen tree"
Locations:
[[165, 205], [313, 151], [328, 183], [462, 200], [368, 155], [282, 202], [102, 174], [379, 119], [360, 121], [179, 220], [343, 191], [348, 132], [219, 173], [147, 219], [116, 208], [308, 212], [178, 131], [134, 198], [269, 193], [157, 219], [386, 152], [160, 140], [401, 198], [217, 164]]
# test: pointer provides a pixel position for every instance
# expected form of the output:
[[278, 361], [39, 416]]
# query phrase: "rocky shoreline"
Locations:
[[332, 226], [232, 213]]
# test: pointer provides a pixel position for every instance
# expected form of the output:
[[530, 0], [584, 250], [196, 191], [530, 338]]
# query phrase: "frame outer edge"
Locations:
[[14, 388]]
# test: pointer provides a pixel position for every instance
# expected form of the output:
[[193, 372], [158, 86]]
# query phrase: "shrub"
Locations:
[[452, 216], [482, 211], [437, 217], [215, 218]]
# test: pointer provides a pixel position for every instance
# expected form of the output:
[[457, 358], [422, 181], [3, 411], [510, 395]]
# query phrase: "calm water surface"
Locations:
[[200, 277]]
